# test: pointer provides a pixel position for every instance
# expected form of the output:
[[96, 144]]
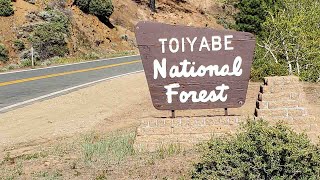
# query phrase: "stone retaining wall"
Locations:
[[282, 99], [153, 134], [279, 99]]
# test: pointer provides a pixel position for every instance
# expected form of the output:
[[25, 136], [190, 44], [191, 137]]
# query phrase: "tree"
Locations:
[[252, 14], [291, 36]]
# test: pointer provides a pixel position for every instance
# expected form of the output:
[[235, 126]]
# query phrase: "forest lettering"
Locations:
[[187, 68]]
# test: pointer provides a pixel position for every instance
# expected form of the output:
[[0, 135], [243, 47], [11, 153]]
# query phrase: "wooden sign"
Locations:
[[195, 68]]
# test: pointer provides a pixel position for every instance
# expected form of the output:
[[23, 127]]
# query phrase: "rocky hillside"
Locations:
[[85, 33]]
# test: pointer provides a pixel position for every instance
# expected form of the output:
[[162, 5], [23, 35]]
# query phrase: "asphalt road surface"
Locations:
[[24, 87]]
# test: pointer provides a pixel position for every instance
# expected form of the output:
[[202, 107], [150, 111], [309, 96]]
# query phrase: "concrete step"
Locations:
[[191, 121], [283, 96], [281, 112], [281, 88], [281, 80], [186, 130], [278, 104], [292, 120]]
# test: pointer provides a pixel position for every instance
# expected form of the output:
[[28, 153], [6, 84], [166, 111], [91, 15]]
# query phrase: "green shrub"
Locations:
[[83, 5], [6, 8], [25, 63], [12, 66], [225, 23], [91, 56], [50, 39], [55, 16], [99, 8], [19, 45], [27, 55], [4, 57], [260, 151]]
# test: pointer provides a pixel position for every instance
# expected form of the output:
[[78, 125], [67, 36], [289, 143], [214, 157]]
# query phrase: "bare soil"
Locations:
[[104, 107], [61, 122], [45, 139]]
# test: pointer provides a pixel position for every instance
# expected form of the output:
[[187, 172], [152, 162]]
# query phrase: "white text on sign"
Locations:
[[186, 68]]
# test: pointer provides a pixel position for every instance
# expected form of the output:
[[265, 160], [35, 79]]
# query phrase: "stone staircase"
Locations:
[[281, 99]]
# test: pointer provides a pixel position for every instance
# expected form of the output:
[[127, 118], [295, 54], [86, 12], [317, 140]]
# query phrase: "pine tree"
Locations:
[[252, 14]]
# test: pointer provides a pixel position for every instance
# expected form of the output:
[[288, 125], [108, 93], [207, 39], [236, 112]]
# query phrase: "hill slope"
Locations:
[[89, 34]]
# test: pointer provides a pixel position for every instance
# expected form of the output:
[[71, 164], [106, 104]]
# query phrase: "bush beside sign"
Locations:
[[195, 68]]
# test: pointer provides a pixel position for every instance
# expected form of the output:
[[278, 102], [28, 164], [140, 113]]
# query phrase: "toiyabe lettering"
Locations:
[[186, 68]]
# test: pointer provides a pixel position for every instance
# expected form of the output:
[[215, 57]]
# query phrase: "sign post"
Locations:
[[173, 114], [32, 60], [195, 68]]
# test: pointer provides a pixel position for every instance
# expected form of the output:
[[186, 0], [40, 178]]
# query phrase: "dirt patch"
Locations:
[[104, 107], [79, 159], [107, 103], [55, 137], [45, 140]]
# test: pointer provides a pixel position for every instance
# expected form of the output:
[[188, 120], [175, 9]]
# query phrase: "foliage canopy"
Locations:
[[6, 8], [253, 13], [291, 37]]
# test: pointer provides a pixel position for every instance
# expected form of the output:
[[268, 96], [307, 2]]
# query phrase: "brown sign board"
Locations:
[[195, 68]]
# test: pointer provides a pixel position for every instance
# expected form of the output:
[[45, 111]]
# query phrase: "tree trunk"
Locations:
[[287, 57], [298, 66], [290, 68], [152, 4]]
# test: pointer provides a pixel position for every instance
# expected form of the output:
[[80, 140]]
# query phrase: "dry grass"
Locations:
[[67, 60], [98, 156]]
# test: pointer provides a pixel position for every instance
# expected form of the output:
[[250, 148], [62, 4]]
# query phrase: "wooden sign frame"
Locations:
[[195, 68]]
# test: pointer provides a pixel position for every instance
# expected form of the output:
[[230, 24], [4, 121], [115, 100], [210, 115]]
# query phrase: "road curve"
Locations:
[[27, 86]]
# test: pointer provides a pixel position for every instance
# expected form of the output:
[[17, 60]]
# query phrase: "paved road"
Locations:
[[20, 88]]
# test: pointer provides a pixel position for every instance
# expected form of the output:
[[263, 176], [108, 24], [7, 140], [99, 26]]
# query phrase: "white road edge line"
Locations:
[[98, 60], [63, 91]]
